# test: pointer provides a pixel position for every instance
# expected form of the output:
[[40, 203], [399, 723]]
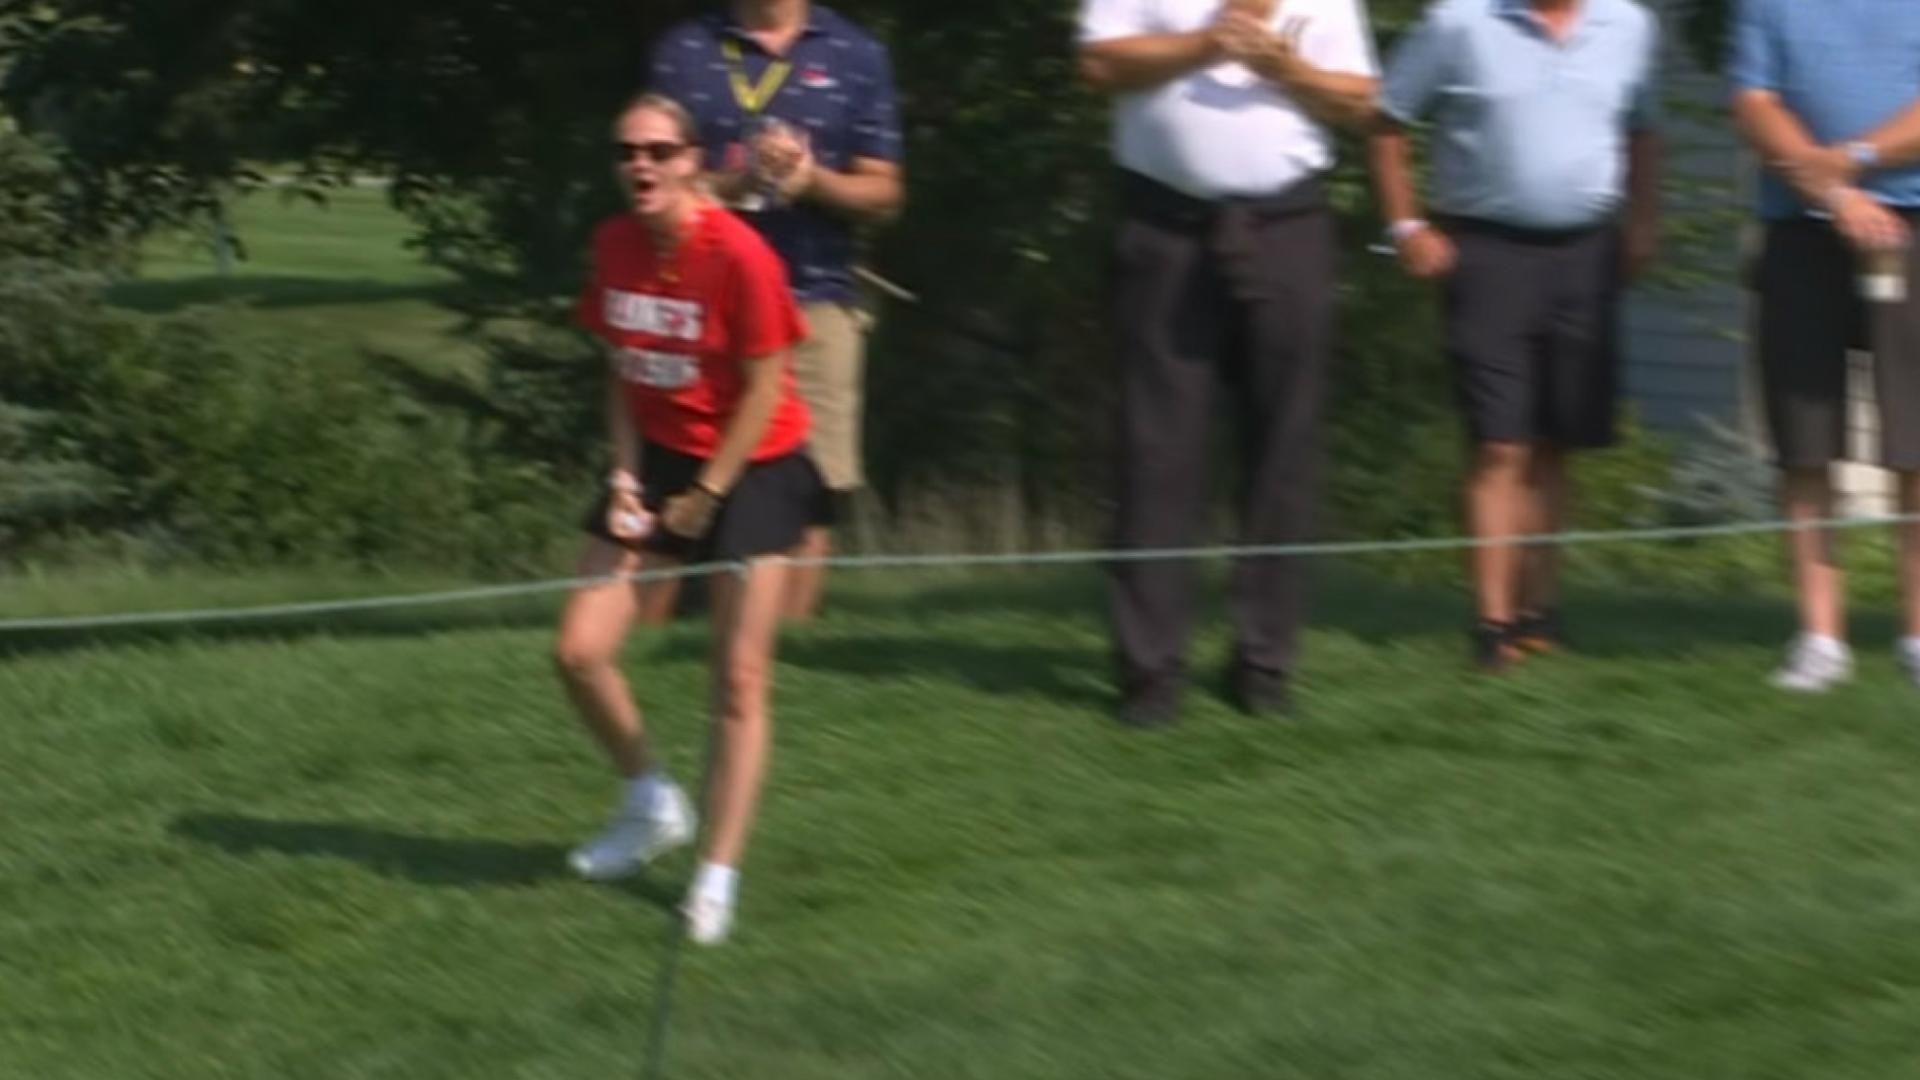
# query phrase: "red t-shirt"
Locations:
[[683, 332]]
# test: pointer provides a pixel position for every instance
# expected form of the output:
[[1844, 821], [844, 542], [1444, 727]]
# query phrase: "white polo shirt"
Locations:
[[1224, 131]]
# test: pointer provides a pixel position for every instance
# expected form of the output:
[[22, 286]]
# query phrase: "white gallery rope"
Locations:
[[898, 562]]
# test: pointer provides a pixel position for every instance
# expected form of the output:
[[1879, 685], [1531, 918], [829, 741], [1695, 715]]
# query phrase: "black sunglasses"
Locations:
[[657, 152]]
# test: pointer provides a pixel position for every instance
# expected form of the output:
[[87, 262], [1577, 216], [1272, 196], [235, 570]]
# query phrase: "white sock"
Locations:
[[644, 792], [717, 883], [1910, 646]]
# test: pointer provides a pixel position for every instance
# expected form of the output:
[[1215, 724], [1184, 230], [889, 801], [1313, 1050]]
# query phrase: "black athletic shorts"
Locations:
[[1532, 330], [1811, 313], [765, 514]]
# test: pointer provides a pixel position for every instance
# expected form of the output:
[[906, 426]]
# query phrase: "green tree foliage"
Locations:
[[490, 119], [160, 432], [186, 445], [1705, 23], [41, 482]]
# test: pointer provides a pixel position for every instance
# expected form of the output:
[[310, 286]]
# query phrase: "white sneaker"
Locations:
[[1907, 650], [635, 839], [1814, 665], [709, 919]]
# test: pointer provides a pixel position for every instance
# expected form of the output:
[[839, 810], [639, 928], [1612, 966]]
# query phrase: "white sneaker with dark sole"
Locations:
[[1814, 665], [633, 840]]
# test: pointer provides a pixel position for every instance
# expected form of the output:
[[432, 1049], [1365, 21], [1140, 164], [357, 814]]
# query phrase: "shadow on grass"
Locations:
[[533, 611], [1619, 622], [1604, 623], [922, 632], [423, 860], [512, 614], [271, 291], [1067, 675]]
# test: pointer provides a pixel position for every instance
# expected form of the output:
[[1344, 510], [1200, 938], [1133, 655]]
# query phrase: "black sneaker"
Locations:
[[1539, 632], [1261, 693], [1149, 704], [1494, 649]]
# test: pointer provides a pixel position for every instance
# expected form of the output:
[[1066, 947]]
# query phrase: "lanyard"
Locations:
[[753, 99]]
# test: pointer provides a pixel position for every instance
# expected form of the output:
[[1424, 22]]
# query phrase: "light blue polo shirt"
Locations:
[[1528, 131], [1843, 67]]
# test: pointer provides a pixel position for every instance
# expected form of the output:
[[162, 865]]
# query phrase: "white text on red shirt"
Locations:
[[681, 320]]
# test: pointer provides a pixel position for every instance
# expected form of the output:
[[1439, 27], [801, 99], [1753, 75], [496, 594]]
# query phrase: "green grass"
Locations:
[[333, 850], [337, 273]]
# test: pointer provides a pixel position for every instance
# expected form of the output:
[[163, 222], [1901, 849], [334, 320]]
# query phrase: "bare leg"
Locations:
[[1910, 553], [807, 584], [586, 653], [1548, 491], [746, 622], [656, 602], [1821, 584], [1496, 509]]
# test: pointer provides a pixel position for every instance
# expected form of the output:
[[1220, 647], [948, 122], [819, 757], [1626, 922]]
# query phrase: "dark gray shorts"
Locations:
[[1532, 330], [1810, 315]]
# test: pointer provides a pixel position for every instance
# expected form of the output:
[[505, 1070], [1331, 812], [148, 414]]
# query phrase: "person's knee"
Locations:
[[744, 676], [1502, 458], [578, 658]]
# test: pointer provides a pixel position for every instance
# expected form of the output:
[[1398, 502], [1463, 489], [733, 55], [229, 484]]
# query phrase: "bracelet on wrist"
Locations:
[[709, 491]]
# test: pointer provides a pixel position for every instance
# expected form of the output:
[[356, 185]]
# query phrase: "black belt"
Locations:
[[1144, 197], [1519, 233]]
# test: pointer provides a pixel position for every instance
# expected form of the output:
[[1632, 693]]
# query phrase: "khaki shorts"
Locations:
[[830, 367]]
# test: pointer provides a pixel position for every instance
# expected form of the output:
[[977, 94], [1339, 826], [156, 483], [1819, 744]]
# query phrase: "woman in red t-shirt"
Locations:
[[709, 465]]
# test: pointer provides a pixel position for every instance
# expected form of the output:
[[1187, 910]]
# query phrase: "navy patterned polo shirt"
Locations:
[[840, 90]]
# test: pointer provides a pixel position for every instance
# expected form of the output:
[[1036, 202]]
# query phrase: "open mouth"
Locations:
[[644, 188]]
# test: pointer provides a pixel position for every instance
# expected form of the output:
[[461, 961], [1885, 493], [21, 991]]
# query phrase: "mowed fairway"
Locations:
[[336, 274], [334, 849]]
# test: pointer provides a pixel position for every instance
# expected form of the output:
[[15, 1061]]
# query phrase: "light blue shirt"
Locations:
[[1528, 131], [1843, 67]]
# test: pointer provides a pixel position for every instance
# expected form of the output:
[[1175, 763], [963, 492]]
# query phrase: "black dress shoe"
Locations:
[[1261, 693], [1150, 704]]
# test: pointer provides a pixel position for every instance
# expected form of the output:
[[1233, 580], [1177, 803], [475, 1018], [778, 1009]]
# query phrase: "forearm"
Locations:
[[864, 196], [1644, 151], [748, 424], [1776, 135], [1335, 98], [622, 438], [1897, 142], [1136, 63], [1391, 154]]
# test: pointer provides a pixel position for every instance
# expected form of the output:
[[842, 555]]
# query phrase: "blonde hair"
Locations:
[[669, 108]]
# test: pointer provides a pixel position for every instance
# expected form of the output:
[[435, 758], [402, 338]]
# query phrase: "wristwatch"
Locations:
[[1863, 154]]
